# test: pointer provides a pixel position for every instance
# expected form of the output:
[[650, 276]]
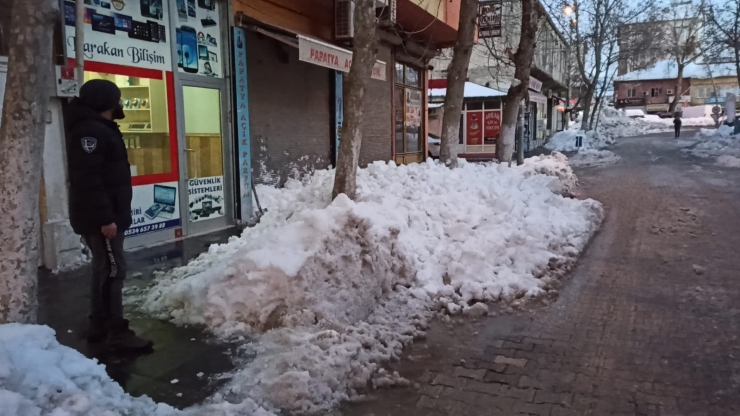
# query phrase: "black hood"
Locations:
[[76, 113]]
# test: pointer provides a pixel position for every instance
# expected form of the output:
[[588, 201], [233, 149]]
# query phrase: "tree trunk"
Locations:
[[677, 93], [363, 60], [27, 91], [523, 65], [587, 99], [457, 73]]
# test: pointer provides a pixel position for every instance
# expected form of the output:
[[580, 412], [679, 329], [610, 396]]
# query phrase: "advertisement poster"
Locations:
[[474, 128], [206, 198], [130, 33], [154, 208], [413, 108], [492, 127], [198, 36], [489, 20]]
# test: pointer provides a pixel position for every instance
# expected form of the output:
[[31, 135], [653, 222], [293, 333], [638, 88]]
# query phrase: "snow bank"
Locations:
[[330, 290], [715, 143], [613, 124], [593, 157], [685, 122], [38, 376], [729, 161]]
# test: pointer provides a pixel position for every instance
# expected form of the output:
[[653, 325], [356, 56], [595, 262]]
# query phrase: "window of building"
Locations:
[[146, 128], [631, 92], [409, 129], [656, 92]]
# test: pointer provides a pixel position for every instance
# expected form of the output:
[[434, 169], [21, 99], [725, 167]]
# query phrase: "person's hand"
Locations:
[[110, 230]]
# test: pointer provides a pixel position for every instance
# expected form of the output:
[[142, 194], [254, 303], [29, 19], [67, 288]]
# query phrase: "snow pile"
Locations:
[[729, 161], [38, 376], [613, 124], [685, 122], [593, 157], [328, 291], [715, 143]]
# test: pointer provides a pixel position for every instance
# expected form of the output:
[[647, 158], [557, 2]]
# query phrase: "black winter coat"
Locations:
[[99, 173]]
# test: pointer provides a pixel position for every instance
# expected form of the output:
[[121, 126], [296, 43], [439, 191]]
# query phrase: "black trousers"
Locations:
[[678, 130], [108, 272]]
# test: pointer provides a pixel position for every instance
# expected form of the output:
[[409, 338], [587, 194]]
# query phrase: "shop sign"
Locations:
[[474, 127], [630, 102], [489, 19], [131, 33], [492, 126], [154, 208], [332, 57], [656, 107], [244, 146], [535, 84], [537, 98], [198, 34], [206, 198], [716, 100]]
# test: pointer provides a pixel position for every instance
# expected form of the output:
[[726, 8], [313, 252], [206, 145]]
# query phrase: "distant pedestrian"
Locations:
[[100, 195], [677, 125]]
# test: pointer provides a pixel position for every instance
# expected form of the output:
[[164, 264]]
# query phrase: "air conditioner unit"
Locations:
[[669, 92], [645, 93], [344, 24]]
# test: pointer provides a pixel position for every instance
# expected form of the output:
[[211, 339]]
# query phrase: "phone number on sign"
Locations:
[[147, 228]]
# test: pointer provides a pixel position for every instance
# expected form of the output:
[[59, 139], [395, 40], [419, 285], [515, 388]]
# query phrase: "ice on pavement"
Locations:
[[593, 157], [720, 143], [330, 290]]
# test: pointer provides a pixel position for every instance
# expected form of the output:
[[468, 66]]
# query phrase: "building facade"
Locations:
[[653, 96], [220, 94]]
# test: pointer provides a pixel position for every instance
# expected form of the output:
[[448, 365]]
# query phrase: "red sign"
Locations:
[[474, 128], [492, 126], [67, 72]]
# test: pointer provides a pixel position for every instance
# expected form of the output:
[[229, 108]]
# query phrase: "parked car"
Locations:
[[434, 147], [634, 113]]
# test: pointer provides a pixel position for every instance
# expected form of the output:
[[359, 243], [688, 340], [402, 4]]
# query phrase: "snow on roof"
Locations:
[[435, 105], [471, 91], [669, 70]]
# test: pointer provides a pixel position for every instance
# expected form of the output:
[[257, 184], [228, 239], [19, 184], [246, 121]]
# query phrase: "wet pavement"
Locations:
[[647, 324], [179, 352]]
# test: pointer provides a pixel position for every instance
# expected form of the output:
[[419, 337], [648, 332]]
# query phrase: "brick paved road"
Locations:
[[647, 325]]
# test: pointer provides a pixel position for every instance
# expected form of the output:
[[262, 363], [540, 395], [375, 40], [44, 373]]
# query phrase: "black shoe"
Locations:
[[97, 331], [121, 338]]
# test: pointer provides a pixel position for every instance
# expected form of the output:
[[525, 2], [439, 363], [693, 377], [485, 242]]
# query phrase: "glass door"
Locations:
[[204, 155]]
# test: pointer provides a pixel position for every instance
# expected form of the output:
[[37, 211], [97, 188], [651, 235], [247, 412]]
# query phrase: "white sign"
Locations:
[[730, 107], [66, 81], [206, 198], [329, 56], [537, 98], [154, 208], [198, 36], [130, 33], [535, 84]]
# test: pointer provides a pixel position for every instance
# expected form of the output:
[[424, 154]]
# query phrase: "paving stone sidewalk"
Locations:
[[647, 325]]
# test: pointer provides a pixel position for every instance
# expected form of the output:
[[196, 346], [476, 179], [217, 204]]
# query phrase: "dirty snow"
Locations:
[[593, 157], [719, 143], [328, 291]]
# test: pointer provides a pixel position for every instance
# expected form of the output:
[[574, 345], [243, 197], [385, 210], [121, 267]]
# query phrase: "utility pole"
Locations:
[[80, 42]]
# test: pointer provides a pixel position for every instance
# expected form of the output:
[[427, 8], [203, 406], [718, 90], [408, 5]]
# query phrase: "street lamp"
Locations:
[[568, 9]]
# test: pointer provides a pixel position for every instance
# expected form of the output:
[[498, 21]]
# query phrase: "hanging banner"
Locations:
[[329, 56], [198, 34], [130, 33], [154, 208], [492, 126], [489, 19], [244, 155], [474, 128]]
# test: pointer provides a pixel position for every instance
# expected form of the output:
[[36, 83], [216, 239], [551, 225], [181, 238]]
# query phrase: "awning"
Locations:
[[333, 57]]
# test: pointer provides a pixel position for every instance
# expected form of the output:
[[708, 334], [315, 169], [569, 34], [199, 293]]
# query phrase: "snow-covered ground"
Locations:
[[685, 122], [718, 143], [593, 157], [326, 292], [613, 124]]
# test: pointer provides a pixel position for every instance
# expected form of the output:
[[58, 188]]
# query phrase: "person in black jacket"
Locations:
[[677, 125], [100, 195]]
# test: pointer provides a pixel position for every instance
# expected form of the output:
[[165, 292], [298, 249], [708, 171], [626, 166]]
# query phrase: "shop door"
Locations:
[[206, 160]]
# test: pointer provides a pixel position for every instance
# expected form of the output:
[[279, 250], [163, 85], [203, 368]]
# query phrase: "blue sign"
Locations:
[[716, 100], [244, 144], [338, 111]]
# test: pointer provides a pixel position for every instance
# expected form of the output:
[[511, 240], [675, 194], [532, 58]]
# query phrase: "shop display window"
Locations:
[[409, 129], [146, 127]]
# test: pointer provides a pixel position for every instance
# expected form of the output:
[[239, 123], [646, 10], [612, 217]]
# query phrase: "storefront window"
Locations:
[[145, 129], [408, 115]]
